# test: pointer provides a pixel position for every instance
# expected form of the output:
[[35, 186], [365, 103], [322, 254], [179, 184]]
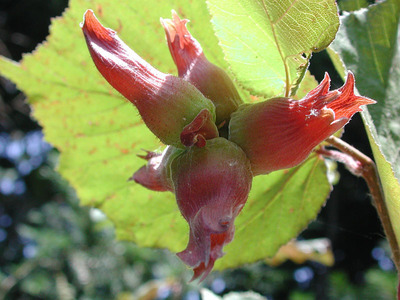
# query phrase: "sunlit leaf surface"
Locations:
[[267, 43]]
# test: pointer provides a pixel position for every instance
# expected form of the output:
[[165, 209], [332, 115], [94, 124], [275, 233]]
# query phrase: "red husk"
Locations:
[[166, 103], [280, 133]]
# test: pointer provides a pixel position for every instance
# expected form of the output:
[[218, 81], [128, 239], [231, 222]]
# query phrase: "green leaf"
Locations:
[[307, 84], [264, 41], [351, 5], [368, 43], [99, 133]]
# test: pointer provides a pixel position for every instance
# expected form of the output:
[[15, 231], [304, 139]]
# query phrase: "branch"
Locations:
[[361, 165]]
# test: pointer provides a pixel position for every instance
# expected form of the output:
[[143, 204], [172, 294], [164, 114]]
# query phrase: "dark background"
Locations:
[[51, 248]]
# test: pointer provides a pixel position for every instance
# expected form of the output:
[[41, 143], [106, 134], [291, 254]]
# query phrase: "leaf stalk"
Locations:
[[361, 165]]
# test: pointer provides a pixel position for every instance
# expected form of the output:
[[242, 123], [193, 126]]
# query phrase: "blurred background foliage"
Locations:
[[51, 248]]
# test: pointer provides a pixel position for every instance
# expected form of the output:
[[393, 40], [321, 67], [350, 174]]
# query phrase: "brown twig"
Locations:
[[361, 165]]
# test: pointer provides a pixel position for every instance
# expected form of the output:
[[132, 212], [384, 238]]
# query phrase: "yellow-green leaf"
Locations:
[[268, 43]]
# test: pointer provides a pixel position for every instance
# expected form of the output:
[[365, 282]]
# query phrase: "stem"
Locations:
[[367, 170]]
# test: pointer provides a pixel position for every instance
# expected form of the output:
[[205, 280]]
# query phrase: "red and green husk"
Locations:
[[194, 67], [166, 103], [211, 186], [280, 133]]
